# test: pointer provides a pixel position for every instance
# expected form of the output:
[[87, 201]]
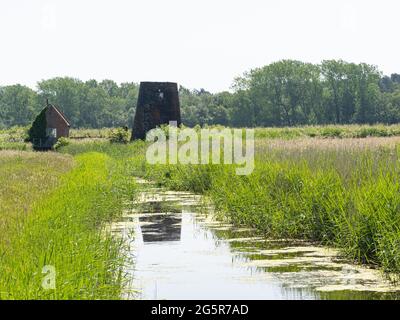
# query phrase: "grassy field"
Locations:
[[18, 134], [329, 131], [26, 177], [54, 206], [53, 211]]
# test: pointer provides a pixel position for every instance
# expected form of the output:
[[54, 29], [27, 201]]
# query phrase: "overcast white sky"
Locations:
[[199, 44]]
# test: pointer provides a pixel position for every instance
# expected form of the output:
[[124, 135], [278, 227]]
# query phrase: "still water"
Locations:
[[178, 250]]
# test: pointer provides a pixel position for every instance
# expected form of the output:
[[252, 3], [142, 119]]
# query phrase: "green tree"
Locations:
[[18, 105], [68, 93]]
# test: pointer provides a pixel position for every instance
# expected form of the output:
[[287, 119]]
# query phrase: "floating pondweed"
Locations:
[[180, 251]]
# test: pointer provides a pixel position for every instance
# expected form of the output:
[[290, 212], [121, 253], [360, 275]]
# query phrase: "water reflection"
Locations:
[[181, 253], [161, 227]]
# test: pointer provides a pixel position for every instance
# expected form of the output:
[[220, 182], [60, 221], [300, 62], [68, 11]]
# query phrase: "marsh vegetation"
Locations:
[[341, 192], [53, 210]]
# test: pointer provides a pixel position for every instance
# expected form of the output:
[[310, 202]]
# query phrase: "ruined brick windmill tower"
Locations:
[[158, 103]]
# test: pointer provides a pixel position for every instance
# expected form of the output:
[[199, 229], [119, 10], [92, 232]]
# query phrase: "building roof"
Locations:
[[60, 113]]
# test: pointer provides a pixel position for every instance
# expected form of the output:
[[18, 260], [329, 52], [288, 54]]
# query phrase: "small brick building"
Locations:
[[57, 124], [50, 125]]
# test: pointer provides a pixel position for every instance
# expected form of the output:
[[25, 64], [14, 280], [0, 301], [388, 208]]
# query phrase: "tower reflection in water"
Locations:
[[161, 227]]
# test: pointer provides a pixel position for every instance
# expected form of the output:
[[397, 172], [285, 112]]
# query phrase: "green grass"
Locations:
[[13, 139], [64, 228], [307, 184], [26, 177], [329, 131], [90, 133], [18, 134], [21, 146]]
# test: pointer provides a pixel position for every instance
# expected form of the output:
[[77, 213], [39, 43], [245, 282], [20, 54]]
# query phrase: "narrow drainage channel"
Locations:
[[178, 251]]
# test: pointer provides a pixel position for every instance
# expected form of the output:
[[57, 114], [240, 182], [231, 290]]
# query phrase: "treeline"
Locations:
[[284, 93], [89, 104], [289, 93]]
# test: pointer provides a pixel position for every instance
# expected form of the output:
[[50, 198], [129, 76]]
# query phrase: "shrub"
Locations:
[[62, 142], [119, 135]]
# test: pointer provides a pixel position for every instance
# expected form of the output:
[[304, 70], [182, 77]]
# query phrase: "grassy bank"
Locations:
[[61, 226]]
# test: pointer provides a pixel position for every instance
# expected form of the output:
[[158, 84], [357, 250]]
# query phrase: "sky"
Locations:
[[199, 44]]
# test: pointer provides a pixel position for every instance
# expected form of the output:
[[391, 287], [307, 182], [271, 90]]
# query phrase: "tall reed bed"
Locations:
[[329, 131], [65, 230], [19, 134], [90, 133], [344, 194]]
